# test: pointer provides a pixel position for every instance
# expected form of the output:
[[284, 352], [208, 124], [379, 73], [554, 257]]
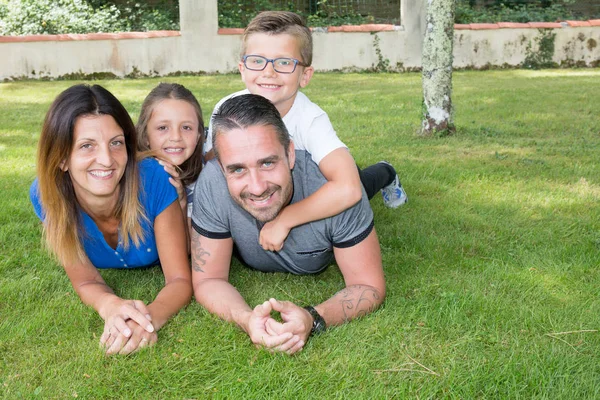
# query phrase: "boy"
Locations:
[[281, 38]]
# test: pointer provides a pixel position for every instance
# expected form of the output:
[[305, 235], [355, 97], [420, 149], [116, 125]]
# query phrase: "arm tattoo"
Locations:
[[198, 253], [358, 301]]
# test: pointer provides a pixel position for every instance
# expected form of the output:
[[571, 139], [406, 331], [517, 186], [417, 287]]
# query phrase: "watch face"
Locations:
[[318, 325]]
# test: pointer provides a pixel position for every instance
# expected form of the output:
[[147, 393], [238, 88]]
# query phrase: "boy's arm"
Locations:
[[342, 190]]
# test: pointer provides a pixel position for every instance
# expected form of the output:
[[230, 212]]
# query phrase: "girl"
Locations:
[[102, 208], [171, 126]]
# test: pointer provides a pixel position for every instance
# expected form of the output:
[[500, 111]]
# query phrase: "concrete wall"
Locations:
[[200, 46], [482, 45]]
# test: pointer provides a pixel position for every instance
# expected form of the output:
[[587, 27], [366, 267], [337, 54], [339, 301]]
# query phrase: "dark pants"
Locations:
[[376, 177]]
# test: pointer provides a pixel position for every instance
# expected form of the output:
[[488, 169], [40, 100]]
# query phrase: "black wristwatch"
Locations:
[[318, 321]]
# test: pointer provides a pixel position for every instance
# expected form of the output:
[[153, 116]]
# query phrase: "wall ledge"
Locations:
[[528, 25], [88, 36], [342, 28], [474, 27], [361, 28]]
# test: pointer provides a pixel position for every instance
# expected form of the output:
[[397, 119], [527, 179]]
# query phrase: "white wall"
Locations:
[[201, 47], [498, 47]]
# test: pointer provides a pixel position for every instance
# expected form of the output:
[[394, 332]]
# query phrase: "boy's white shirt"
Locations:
[[308, 126]]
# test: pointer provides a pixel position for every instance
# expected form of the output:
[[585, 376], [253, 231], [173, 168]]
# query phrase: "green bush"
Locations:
[[26, 17], [29, 17], [142, 16], [542, 56]]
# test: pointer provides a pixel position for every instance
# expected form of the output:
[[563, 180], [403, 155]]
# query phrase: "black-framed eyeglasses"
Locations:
[[281, 65]]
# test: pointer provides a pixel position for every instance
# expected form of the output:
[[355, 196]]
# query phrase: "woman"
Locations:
[[102, 208]]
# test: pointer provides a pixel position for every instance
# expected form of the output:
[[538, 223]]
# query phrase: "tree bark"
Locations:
[[437, 68]]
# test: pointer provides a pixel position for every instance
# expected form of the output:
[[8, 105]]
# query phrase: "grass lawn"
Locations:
[[492, 267]]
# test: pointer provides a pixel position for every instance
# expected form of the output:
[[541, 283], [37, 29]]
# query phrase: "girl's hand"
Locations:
[[174, 179], [116, 317]]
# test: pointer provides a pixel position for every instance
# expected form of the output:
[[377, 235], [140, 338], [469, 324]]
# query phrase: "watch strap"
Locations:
[[318, 321]]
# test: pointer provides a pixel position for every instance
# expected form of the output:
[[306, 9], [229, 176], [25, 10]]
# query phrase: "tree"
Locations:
[[437, 68]]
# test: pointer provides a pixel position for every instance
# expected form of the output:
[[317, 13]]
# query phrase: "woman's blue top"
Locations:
[[156, 194]]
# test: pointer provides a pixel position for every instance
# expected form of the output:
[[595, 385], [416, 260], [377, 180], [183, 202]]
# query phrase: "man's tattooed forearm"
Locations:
[[199, 255], [358, 301], [197, 259]]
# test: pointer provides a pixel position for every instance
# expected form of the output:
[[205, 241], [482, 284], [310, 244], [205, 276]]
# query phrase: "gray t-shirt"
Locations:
[[308, 248]]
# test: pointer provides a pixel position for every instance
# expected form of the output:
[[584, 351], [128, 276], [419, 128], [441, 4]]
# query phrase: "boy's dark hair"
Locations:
[[278, 22], [247, 110]]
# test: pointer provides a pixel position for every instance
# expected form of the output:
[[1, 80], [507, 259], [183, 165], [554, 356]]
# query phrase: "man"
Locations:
[[257, 173]]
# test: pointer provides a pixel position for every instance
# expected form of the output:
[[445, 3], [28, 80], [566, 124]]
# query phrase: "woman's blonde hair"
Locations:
[[190, 168], [63, 230]]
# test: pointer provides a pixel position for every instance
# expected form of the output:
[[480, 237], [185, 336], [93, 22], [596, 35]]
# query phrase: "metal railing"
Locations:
[[582, 9], [381, 10], [238, 13]]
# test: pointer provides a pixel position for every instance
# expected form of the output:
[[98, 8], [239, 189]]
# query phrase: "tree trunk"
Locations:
[[437, 68]]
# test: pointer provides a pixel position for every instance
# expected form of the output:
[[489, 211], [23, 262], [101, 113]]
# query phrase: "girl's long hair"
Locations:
[[190, 169], [63, 230]]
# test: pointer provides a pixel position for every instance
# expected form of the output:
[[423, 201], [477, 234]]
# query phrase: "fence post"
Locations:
[[200, 48], [412, 15], [412, 18], [198, 18]]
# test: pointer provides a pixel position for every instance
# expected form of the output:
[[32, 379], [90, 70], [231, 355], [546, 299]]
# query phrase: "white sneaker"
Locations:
[[393, 194]]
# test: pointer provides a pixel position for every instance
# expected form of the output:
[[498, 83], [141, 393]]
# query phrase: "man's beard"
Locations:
[[269, 213]]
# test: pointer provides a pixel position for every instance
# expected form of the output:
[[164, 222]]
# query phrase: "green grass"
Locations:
[[498, 247]]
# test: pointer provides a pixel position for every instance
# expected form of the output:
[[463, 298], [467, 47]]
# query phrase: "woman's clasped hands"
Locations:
[[127, 327]]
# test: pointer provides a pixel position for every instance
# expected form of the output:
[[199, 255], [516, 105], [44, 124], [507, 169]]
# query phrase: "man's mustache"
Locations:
[[268, 192]]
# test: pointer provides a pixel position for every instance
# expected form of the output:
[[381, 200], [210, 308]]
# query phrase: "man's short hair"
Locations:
[[278, 22], [247, 110]]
